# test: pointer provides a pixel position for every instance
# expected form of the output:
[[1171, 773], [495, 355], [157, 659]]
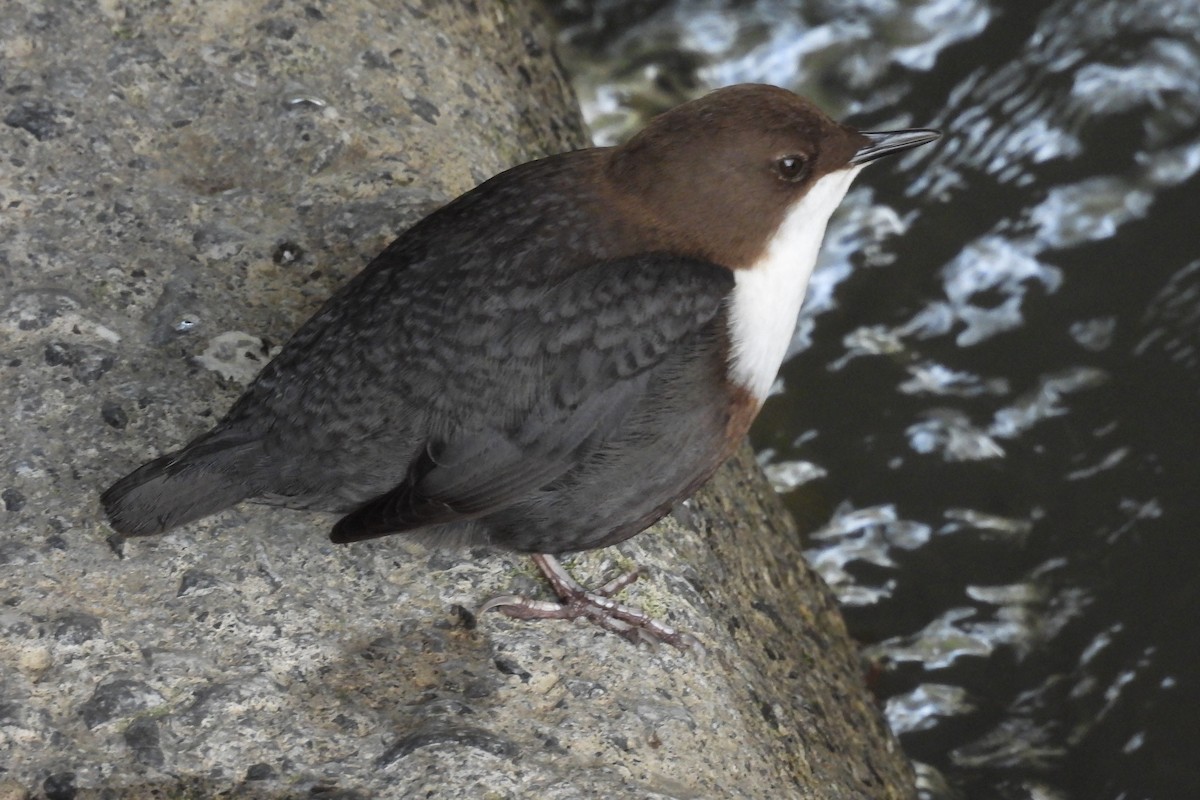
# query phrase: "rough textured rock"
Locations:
[[180, 184]]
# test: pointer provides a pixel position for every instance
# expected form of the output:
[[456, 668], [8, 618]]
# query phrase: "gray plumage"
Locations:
[[499, 372]]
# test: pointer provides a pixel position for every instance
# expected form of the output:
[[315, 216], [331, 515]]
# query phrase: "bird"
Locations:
[[550, 362]]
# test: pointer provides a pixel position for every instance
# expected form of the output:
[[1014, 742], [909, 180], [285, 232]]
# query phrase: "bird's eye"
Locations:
[[792, 168]]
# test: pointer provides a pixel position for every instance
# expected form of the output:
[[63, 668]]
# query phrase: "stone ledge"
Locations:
[[181, 186]]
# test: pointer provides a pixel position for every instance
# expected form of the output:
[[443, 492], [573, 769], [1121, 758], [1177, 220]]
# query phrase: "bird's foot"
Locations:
[[596, 605]]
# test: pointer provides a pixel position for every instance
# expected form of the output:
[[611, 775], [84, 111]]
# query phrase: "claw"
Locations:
[[597, 606], [620, 582], [503, 600]]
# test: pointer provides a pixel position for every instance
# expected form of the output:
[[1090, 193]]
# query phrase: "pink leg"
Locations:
[[597, 606]]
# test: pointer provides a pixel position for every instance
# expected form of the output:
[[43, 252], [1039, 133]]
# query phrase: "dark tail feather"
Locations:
[[180, 487]]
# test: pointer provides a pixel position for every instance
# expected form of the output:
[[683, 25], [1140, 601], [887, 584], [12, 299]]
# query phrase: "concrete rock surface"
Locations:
[[180, 185]]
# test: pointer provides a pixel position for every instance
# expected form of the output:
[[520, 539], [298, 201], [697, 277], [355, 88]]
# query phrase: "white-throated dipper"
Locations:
[[549, 362]]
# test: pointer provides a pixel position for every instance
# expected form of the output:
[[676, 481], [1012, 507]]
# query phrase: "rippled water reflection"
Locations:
[[989, 423]]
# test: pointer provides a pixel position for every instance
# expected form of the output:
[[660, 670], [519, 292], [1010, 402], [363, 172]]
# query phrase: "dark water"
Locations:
[[990, 424]]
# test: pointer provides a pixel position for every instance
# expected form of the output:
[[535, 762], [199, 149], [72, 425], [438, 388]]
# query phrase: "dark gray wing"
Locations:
[[561, 375]]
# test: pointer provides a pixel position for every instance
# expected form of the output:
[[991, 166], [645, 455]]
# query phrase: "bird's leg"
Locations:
[[595, 605]]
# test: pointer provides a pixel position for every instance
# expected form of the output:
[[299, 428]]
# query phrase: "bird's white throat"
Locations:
[[767, 296]]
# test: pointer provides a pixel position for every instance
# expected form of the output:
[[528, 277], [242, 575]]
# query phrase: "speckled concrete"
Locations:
[[180, 185]]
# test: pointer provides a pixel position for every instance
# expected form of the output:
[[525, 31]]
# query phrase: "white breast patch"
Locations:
[[766, 297]]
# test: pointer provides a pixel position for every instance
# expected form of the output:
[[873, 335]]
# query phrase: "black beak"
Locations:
[[885, 143]]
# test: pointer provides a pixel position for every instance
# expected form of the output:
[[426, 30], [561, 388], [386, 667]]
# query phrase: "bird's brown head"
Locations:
[[717, 175]]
